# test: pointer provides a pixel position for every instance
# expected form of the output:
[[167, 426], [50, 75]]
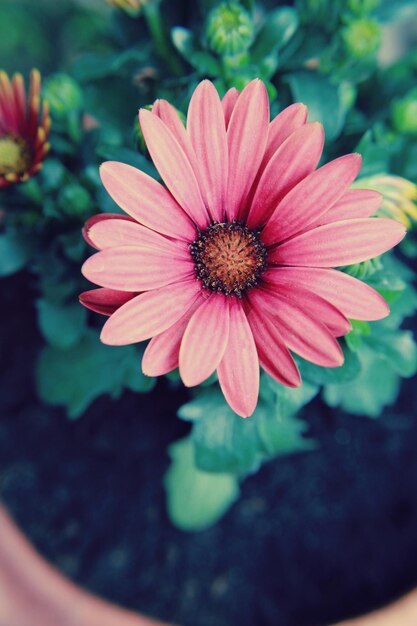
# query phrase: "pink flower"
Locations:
[[228, 266]]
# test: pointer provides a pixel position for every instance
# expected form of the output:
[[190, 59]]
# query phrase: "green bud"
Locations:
[[229, 29], [404, 113], [363, 7], [365, 269], [361, 37], [74, 200], [63, 95]]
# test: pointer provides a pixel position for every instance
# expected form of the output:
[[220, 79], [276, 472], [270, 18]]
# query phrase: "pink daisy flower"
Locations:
[[228, 267]]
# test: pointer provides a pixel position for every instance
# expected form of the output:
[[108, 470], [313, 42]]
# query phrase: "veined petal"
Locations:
[[173, 166], [247, 135], [146, 200], [162, 352], [311, 198], [204, 341], [313, 304], [340, 243], [228, 103], [355, 203], [295, 159], [105, 301], [150, 313], [238, 371], [302, 334], [169, 115], [109, 233], [207, 130], [283, 125], [274, 356], [355, 299], [130, 268], [99, 217]]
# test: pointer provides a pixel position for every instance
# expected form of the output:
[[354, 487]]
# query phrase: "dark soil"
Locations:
[[316, 537]]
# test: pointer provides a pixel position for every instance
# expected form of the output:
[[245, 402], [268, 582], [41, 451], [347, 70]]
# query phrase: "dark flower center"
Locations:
[[229, 258], [15, 155]]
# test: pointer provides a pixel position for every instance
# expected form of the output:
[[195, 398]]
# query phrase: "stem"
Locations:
[[152, 13]]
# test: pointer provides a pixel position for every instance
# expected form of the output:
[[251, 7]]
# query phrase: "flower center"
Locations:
[[229, 258], [14, 155]]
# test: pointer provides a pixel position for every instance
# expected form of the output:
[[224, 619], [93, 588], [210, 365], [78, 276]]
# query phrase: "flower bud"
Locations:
[[363, 7], [361, 37], [132, 7], [74, 200], [404, 113], [229, 29], [399, 197], [63, 95]]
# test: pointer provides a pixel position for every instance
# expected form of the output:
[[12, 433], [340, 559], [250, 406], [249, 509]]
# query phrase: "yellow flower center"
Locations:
[[229, 258], [14, 155]]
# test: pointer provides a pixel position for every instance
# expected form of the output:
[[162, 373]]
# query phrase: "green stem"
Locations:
[[152, 13]]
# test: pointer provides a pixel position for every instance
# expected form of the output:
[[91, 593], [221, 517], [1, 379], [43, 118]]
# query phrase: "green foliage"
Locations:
[[15, 252], [62, 325], [196, 499], [76, 376]]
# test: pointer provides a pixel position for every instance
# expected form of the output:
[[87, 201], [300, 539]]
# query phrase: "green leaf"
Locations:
[[323, 99], [280, 25], [130, 157], [377, 386], [196, 499], [287, 400], [15, 252], [375, 155], [398, 347], [62, 325], [94, 66], [327, 375], [75, 377], [227, 443], [189, 48]]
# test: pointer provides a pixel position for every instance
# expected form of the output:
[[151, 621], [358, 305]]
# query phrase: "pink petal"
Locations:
[[169, 115], [205, 340], [297, 157], [354, 203], [313, 304], [340, 243], [150, 313], [206, 127], [105, 301], [129, 268], [228, 103], [274, 356], [162, 352], [238, 371], [99, 217], [174, 167], [302, 334], [146, 200], [120, 232], [247, 136], [282, 126], [355, 299], [311, 198]]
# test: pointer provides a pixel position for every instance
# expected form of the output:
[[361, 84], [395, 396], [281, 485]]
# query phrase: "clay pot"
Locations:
[[32, 593]]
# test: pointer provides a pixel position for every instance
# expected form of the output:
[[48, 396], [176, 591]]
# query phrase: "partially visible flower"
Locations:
[[399, 197], [230, 29], [133, 7], [361, 37], [404, 113], [24, 128], [230, 266]]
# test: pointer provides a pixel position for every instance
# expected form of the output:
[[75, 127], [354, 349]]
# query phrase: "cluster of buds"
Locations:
[[229, 29]]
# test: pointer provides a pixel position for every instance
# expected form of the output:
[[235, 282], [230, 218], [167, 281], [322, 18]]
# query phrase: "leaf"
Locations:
[[375, 155], [94, 66], [327, 375], [195, 499], [280, 25], [398, 347], [75, 377], [130, 157], [15, 252], [323, 99], [227, 443], [190, 49], [376, 387], [62, 325]]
